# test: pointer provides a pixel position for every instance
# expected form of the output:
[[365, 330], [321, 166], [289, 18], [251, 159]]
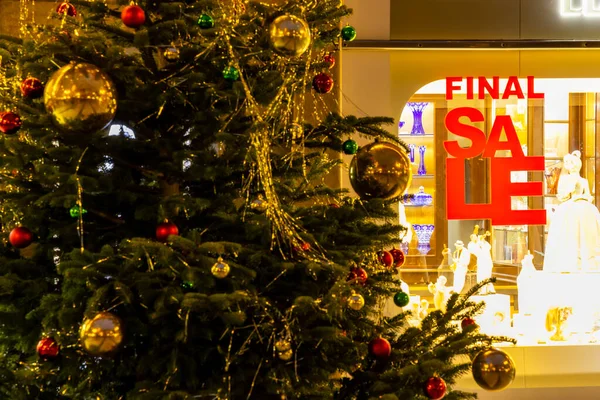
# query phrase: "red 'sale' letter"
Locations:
[[502, 189], [503, 122], [475, 135]]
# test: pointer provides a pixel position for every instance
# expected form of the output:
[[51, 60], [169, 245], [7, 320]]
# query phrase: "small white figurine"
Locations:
[[526, 285], [440, 293], [527, 268], [461, 259], [483, 250], [423, 308]]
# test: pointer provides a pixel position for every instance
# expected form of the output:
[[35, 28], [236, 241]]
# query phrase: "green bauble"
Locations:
[[231, 74], [187, 285], [401, 299], [206, 22], [350, 147], [74, 211], [348, 33]]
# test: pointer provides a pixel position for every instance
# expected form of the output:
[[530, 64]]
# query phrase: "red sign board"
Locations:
[[459, 122]]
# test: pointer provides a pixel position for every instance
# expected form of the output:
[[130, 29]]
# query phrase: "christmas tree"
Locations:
[[167, 230]]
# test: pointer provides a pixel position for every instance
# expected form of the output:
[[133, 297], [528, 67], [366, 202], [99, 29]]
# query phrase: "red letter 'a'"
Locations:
[[503, 122]]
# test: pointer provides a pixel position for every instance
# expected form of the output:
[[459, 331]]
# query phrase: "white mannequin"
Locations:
[[461, 258], [574, 234]]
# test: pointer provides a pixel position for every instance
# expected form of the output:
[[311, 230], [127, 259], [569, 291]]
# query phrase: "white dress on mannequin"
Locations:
[[574, 234]]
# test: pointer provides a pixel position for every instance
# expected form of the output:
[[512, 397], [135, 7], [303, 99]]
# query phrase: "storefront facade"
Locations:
[[400, 69]]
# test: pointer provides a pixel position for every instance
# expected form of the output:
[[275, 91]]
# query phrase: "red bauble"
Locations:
[[9, 122], [66, 8], [164, 230], [133, 16], [32, 88], [399, 257], [380, 348], [358, 275], [305, 246], [20, 237], [467, 322], [48, 348], [435, 388], [323, 83], [386, 258], [329, 60]]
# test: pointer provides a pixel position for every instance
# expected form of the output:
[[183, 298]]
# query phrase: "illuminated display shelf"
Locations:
[[425, 176], [408, 135]]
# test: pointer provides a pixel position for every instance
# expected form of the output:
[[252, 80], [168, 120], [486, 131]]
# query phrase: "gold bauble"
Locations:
[[221, 269], [380, 170], [285, 355], [283, 345], [259, 204], [171, 54], [493, 369], [290, 35], [80, 98], [101, 335], [356, 301]]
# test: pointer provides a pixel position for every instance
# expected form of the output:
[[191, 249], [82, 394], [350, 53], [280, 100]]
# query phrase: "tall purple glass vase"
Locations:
[[422, 170], [417, 110], [411, 152]]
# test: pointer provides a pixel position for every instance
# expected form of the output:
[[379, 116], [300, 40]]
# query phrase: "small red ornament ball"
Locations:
[[323, 83], [20, 237], [467, 322], [164, 230], [380, 348], [358, 275], [66, 8], [32, 88], [133, 16], [9, 122], [435, 388], [329, 60], [399, 257], [48, 348], [305, 246], [386, 258]]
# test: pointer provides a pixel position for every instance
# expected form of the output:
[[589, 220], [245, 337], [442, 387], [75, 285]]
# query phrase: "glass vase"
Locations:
[[417, 110], [422, 170], [411, 152], [424, 232]]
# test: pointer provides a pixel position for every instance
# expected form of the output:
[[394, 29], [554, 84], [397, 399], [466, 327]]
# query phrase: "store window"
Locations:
[[545, 272]]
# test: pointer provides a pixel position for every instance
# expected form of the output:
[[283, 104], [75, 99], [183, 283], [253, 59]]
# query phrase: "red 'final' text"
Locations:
[[459, 122]]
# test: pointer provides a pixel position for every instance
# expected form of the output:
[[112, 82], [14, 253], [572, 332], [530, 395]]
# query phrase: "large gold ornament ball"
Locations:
[[80, 98], [289, 35], [101, 335], [493, 369], [380, 170]]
